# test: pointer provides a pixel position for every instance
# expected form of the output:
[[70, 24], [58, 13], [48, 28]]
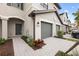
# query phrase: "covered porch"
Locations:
[[10, 27]]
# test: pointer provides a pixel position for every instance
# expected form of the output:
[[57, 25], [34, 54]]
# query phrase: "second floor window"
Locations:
[[17, 5], [45, 5]]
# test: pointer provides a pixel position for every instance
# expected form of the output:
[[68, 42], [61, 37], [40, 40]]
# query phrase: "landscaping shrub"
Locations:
[[60, 34], [35, 44], [61, 53], [24, 38], [28, 40], [75, 52], [39, 43], [2, 40], [31, 43]]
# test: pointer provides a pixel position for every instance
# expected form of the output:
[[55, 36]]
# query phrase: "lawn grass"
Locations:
[[69, 39], [72, 39]]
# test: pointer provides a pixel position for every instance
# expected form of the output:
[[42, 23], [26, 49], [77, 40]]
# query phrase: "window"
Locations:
[[57, 28], [45, 5], [17, 5]]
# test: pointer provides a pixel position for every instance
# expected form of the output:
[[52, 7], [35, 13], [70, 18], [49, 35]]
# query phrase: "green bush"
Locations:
[[28, 40], [60, 34], [31, 43], [61, 53], [24, 38], [2, 40], [35, 44]]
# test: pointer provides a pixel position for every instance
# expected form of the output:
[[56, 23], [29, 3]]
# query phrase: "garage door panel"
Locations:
[[46, 30]]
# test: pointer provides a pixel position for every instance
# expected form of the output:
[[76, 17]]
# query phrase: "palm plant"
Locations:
[[76, 14]]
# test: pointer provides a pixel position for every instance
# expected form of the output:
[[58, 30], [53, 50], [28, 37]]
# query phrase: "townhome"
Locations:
[[45, 20], [69, 26], [66, 23], [73, 26], [38, 20]]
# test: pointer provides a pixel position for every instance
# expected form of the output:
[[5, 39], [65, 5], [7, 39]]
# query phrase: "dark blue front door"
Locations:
[[18, 29]]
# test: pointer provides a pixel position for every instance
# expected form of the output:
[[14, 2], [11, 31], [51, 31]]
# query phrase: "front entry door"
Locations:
[[18, 29]]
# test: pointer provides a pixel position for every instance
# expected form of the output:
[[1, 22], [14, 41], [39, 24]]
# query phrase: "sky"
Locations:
[[69, 8]]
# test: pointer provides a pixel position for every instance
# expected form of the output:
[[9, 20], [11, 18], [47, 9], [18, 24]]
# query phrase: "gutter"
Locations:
[[57, 5], [58, 17]]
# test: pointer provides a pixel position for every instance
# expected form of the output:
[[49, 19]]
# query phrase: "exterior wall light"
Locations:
[[37, 22]]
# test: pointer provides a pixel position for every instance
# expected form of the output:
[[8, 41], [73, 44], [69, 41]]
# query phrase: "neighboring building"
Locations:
[[69, 26], [66, 23], [38, 20], [73, 26]]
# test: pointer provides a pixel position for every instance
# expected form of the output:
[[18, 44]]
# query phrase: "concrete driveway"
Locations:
[[53, 45]]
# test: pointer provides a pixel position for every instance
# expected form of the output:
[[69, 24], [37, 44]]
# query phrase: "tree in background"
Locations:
[[76, 14]]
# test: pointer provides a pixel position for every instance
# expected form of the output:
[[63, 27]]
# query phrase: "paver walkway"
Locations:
[[21, 48], [50, 49]]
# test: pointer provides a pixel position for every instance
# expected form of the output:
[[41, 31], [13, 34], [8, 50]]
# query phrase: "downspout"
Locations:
[[33, 27]]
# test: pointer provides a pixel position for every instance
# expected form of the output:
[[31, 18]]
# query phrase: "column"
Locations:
[[4, 29]]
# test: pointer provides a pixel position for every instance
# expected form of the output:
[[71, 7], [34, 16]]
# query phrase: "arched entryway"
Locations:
[[15, 27]]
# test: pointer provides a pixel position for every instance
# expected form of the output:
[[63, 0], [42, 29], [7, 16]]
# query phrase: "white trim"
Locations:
[[7, 17], [46, 20], [49, 23], [15, 17]]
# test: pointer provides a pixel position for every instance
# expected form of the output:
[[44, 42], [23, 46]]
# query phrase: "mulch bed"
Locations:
[[6, 49]]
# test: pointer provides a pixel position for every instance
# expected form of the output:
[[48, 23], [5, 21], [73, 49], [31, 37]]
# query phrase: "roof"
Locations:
[[64, 13], [58, 17], [65, 24], [61, 14], [41, 12], [33, 13], [66, 16], [57, 5]]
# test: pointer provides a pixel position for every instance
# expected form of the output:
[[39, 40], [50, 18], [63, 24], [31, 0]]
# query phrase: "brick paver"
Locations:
[[53, 45]]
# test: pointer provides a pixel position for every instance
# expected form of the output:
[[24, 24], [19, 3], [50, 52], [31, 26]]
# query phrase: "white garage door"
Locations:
[[46, 30]]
